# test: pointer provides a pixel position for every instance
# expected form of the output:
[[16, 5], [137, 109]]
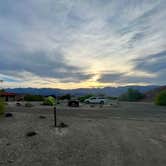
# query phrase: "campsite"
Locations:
[[82, 82]]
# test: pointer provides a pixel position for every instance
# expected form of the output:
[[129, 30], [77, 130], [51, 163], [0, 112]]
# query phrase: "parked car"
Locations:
[[73, 103], [96, 100]]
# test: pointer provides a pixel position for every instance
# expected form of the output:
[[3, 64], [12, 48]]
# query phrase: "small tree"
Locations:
[[161, 98], [131, 95], [49, 101]]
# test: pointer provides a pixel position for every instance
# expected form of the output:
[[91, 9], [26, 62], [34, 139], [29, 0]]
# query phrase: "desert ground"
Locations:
[[124, 134]]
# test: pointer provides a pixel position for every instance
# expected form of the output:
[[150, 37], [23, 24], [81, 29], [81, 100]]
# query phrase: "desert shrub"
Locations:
[[131, 95], [31, 134], [33, 98], [161, 98], [28, 105], [8, 115], [2, 107], [49, 101]]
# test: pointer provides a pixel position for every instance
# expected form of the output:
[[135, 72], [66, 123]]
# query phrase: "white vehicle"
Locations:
[[96, 100]]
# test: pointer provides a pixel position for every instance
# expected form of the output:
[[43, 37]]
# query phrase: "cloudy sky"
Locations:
[[82, 43]]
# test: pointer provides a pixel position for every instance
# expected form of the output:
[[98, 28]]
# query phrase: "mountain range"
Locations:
[[109, 91]]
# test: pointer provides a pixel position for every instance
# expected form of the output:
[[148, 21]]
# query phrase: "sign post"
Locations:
[[51, 101], [55, 120]]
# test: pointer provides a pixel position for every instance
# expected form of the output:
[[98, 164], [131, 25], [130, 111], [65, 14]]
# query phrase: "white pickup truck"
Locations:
[[96, 100]]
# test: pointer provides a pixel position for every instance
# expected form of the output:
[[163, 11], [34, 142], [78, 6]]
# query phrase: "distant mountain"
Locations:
[[110, 91]]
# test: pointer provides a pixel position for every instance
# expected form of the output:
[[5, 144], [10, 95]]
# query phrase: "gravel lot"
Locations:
[[127, 134]]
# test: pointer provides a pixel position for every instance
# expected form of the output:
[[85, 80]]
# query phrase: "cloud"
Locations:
[[76, 41], [42, 65], [152, 63], [123, 78]]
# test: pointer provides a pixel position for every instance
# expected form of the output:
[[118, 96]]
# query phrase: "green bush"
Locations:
[[161, 98], [131, 95], [49, 101], [2, 107]]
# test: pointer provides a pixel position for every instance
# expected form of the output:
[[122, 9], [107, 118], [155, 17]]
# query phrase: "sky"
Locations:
[[72, 44]]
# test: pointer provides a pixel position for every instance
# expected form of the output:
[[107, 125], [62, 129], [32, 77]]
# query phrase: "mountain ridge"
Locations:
[[109, 91]]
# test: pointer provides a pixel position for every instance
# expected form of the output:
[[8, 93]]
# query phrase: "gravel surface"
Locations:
[[128, 134]]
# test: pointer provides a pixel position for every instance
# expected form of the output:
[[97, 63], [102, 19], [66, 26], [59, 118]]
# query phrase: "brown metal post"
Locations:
[[55, 120]]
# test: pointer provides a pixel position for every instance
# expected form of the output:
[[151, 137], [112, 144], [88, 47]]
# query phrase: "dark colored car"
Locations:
[[73, 103]]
